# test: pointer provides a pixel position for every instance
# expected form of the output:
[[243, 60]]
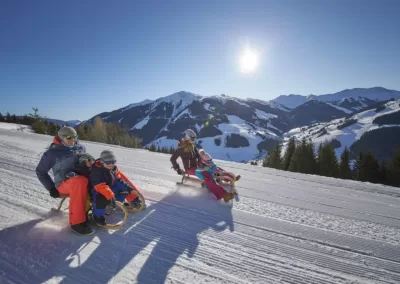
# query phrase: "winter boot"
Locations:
[[83, 229], [135, 204], [100, 221], [228, 196]]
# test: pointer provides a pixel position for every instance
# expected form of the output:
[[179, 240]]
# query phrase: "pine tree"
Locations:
[[265, 161], [369, 169], [274, 159], [383, 173], [394, 169], [1, 117], [153, 148], [8, 117], [39, 127], [327, 161], [345, 171], [289, 153], [52, 129], [311, 160], [299, 157], [35, 114]]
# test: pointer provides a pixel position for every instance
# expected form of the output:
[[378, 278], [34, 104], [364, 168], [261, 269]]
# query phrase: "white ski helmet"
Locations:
[[190, 135]]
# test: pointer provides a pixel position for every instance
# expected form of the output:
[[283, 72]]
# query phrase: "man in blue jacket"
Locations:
[[60, 157]]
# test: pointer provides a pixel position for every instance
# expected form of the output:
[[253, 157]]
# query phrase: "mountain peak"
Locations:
[[179, 96]]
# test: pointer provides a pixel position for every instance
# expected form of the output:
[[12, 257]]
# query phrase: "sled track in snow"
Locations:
[[187, 237]]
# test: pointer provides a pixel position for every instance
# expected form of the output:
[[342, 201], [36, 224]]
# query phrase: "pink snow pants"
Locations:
[[214, 187]]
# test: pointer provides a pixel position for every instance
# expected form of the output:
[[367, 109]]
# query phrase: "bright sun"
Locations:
[[248, 61]]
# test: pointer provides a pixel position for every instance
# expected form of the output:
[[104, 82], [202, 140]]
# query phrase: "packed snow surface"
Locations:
[[285, 227]]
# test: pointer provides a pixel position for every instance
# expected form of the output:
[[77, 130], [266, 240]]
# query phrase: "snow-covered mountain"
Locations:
[[59, 122], [351, 99], [228, 128], [237, 129], [285, 228], [376, 129]]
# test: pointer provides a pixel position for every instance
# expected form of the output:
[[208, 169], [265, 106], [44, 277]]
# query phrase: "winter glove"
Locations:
[[179, 171], [54, 193], [129, 188], [126, 184], [70, 175]]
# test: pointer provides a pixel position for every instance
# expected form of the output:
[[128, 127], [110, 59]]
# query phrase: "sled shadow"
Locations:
[[33, 251], [170, 232], [147, 248]]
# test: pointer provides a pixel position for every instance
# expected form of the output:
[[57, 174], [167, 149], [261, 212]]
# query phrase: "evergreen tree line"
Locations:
[[302, 158], [100, 131], [38, 123], [108, 133], [163, 149]]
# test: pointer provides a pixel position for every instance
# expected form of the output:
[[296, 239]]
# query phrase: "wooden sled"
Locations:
[[222, 178], [110, 226]]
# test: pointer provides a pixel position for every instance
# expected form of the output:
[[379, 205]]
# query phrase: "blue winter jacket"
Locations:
[[60, 159]]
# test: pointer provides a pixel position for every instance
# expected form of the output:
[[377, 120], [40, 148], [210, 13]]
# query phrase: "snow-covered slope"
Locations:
[[346, 130], [15, 127], [285, 228]]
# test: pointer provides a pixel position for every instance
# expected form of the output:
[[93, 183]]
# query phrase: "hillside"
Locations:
[[374, 129]]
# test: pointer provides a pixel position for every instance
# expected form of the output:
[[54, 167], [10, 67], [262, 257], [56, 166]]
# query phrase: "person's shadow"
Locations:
[[151, 242]]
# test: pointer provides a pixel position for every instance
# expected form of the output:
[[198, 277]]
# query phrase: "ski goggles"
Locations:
[[69, 137], [110, 162]]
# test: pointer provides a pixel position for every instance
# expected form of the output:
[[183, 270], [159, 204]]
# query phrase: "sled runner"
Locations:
[[222, 177], [120, 212]]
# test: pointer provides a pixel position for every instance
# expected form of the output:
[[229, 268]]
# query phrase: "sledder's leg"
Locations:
[[191, 171], [99, 203], [132, 201], [215, 188], [76, 188], [118, 187]]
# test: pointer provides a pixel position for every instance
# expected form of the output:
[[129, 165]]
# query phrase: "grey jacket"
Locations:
[[60, 159]]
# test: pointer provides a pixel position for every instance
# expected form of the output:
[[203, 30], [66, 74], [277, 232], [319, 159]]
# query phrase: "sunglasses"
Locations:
[[69, 137], [110, 162]]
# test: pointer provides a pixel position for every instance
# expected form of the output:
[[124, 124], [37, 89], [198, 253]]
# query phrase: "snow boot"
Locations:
[[135, 204], [228, 196], [100, 221], [83, 229]]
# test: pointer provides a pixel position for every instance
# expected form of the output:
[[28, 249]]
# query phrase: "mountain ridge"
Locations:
[[234, 128]]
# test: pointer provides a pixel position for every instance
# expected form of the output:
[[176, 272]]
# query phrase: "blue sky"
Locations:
[[75, 59]]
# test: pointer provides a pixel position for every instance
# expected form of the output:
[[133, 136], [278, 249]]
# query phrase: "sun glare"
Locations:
[[249, 61]]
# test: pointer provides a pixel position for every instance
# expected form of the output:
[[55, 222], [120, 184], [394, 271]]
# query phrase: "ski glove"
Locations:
[[126, 184], [179, 171], [70, 175], [54, 193]]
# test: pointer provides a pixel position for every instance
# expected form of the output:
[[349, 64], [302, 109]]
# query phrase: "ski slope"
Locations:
[[286, 227]]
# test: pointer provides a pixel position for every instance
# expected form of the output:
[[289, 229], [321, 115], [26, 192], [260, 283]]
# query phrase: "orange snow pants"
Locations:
[[77, 189]]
